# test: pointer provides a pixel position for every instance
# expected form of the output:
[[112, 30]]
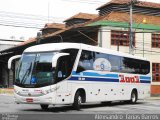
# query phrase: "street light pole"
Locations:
[[131, 3], [39, 37], [130, 31], [118, 44], [143, 42], [144, 21]]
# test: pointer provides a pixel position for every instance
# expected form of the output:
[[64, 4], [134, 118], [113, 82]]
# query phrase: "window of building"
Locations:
[[121, 38], [156, 40], [156, 72]]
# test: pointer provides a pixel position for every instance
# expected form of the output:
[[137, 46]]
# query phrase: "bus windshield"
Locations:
[[35, 70]]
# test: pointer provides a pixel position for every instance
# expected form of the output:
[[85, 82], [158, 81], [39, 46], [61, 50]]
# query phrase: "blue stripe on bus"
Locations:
[[145, 78], [145, 81], [75, 73], [91, 76], [102, 75], [73, 78], [95, 79], [100, 79], [96, 74]]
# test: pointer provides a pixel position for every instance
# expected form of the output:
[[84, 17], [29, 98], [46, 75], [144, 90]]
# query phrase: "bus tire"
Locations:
[[133, 99], [77, 101], [106, 102], [44, 107]]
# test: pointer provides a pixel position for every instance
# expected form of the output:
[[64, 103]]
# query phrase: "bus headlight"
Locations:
[[50, 90], [16, 91], [46, 91]]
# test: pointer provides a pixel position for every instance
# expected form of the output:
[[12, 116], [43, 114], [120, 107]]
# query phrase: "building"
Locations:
[[52, 32], [109, 29], [8, 43], [113, 33], [52, 27], [79, 18], [5, 44]]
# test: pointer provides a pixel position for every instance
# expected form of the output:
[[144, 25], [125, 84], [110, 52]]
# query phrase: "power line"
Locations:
[[26, 16], [147, 50], [20, 26], [24, 20], [83, 1], [20, 21]]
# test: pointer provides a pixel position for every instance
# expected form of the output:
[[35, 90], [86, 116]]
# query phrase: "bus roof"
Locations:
[[52, 47], [60, 46]]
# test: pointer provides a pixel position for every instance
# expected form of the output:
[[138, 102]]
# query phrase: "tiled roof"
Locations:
[[66, 29], [124, 17], [140, 4], [125, 25], [54, 25], [83, 16]]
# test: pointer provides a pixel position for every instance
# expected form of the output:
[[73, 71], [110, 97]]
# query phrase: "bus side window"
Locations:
[[65, 64], [144, 67], [86, 61], [115, 63], [61, 69], [129, 65], [101, 55]]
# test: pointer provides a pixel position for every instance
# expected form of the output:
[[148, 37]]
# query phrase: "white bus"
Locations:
[[72, 73]]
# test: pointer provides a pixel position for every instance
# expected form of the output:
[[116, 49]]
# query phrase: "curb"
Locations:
[[153, 98], [6, 91]]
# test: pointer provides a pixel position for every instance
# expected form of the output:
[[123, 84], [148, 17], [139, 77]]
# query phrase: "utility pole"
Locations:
[[118, 45], [39, 37], [131, 47], [130, 29]]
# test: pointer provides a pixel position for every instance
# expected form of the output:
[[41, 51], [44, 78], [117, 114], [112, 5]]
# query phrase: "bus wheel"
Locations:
[[77, 101], [44, 107], [106, 103], [133, 97]]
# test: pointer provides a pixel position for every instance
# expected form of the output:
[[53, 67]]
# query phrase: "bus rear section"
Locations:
[[106, 76]]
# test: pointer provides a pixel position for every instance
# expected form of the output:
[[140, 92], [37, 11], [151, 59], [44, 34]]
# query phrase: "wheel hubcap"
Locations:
[[133, 97], [79, 100]]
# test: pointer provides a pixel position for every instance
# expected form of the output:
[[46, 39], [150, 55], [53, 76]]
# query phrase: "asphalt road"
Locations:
[[10, 110]]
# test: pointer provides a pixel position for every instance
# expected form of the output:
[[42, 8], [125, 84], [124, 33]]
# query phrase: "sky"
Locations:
[[35, 13]]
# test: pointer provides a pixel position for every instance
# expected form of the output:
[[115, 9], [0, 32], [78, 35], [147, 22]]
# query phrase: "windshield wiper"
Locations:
[[26, 74]]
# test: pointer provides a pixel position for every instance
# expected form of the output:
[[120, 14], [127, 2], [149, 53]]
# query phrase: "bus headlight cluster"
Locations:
[[16, 91], [47, 91], [50, 90]]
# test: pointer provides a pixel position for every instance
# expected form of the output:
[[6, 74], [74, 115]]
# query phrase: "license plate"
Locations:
[[29, 100]]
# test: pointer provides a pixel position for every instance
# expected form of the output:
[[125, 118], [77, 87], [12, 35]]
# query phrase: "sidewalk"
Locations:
[[6, 91], [153, 98]]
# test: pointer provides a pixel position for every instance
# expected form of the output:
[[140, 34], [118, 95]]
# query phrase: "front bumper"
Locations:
[[44, 99]]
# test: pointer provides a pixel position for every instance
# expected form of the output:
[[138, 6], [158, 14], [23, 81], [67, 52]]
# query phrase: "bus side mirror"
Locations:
[[11, 59], [56, 57]]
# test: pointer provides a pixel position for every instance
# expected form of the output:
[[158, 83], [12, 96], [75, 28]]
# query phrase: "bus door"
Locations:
[[61, 74], [63, 71]]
